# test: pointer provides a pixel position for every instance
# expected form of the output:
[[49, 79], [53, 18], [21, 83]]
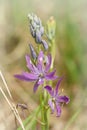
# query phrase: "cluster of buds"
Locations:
[[50, 28], [37, 30]]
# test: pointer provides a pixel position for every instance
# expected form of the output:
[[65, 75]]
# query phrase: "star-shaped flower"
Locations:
[[56, 99], [38, 72]]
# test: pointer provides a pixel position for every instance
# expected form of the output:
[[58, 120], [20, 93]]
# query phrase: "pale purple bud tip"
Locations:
[[42, 30], [33, 53], [33, 33], [45, 44], [38, 36]]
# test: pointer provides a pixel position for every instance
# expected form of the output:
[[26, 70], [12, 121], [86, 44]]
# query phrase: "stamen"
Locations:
[[62, 90], [53, 99]]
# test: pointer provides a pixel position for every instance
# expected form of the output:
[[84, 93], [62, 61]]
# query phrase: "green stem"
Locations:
[[44, 111], [39, 47]]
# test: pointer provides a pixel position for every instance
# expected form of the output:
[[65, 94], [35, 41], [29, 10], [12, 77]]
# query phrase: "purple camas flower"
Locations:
[[56, 99], [38, 72]]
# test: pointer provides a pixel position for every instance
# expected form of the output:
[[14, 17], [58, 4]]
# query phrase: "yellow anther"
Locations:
[[62, 89]]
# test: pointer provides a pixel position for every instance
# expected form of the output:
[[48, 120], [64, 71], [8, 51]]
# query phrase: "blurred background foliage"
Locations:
[[71, 54]]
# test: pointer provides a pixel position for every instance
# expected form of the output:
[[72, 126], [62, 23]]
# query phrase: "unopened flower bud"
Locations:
[[33, 24], [32, 31], [37, 20], [42, 30], [50, 28], [45, 44], [33, 53], [38, 36]]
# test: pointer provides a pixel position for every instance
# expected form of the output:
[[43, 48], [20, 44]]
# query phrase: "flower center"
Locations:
[[53, 99], [41, 75]]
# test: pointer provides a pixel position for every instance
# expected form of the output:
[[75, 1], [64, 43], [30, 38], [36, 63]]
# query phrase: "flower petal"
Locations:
[[57, 86], [50, 76], [30, 65], [39, 66], [30, 76], [40, 81], [64, 99], [58, 109], [49, 89], [22, 77], [40, 61], [40, 57], [48, 63], [51, 104]]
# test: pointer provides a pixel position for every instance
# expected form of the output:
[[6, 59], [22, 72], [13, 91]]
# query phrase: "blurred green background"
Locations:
[[71, 56]]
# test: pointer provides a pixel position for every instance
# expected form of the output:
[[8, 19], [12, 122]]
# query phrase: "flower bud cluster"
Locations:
[[50, 28], [37, 30]]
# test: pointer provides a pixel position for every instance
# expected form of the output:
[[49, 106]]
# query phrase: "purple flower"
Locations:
[[38, 72], [56, 99]]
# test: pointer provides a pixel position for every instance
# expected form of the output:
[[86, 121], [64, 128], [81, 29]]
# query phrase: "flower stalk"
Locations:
[[44, 111]]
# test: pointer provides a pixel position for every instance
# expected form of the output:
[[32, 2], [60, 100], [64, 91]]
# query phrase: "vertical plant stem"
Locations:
[[42, 114], [44, 111]]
